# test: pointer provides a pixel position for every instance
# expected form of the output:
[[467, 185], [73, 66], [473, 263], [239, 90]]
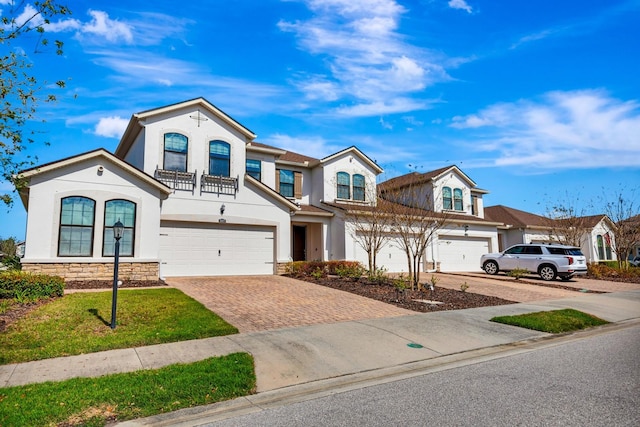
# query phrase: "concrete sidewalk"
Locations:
[[294, 356]]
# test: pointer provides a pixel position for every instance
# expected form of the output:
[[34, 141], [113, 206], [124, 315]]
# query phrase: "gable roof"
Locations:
[[514, 217], [135, 126], [413, 178], [271, 192], [355, 151], [98, 153], [593, 220]]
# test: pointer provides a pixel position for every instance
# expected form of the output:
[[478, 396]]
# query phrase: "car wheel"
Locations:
[[490, 267], [547, 272]]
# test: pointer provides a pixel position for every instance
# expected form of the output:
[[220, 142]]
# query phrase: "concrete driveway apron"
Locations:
[[259, 303]]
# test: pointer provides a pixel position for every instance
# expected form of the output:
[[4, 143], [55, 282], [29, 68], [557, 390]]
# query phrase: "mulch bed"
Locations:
[[451, 299]]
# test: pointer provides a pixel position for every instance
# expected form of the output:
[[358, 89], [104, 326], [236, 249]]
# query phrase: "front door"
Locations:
[[299, 243]]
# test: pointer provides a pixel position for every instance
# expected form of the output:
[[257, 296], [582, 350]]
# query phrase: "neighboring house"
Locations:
[[457, 246], [524, 227]]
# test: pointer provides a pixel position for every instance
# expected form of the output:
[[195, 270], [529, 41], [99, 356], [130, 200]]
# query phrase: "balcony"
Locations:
[[177, 180], [218, 184]]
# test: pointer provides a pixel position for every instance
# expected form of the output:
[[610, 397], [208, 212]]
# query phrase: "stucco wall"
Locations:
[[352, 164], [87, 180]]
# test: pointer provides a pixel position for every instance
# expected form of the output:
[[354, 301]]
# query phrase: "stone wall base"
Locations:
[[96, 270], [281, 268]]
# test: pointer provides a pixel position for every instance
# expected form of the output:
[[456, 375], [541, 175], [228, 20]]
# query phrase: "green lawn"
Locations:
[[79, 323], [556, 321], [94, 401]]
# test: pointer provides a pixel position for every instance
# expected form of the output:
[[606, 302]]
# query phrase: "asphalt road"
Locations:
[[593, 381]]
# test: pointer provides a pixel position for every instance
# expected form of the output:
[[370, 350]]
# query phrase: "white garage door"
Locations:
[[196, 249], [461, 254], [391, 257]]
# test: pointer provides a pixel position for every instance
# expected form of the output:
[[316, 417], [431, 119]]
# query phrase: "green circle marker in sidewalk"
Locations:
[[414, 345]]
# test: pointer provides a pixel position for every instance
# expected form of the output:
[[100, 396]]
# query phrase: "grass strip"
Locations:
[[79, 323], [556, 321], [95, 401]]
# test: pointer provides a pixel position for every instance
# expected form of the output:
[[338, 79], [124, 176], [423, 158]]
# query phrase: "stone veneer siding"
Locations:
[[96, 270], [281, 268]]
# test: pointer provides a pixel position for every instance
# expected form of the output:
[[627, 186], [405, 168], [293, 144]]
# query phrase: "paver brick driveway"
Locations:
[[258, 303]]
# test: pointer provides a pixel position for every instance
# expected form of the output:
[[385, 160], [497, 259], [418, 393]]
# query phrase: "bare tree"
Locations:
[[568, 224], [415, 222], [369, 224], [625, 213]]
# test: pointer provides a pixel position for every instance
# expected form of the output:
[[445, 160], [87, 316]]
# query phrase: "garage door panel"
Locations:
[[461, 254], [213, 250]]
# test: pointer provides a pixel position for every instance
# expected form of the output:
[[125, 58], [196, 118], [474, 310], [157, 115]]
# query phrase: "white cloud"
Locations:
[[460, 4], [110, 29], [369, 63], [576, 129], [111, 127]]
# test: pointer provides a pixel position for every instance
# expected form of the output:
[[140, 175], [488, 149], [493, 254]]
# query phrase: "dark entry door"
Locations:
[[299, 243]]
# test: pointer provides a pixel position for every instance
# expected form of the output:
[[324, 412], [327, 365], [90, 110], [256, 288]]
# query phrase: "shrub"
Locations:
[[320, 269], [304, 268], [350, 269], [27, 287], [318, 273], [12, 262], [378, 276], [518, 273]]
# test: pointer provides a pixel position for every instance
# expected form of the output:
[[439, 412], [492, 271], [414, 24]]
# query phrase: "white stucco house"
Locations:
[[199, 196], [524, 227]]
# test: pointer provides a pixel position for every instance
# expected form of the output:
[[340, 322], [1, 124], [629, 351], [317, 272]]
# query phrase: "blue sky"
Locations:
[[538, 102]]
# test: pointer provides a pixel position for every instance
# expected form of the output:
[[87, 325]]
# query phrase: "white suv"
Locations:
[[549, 261]]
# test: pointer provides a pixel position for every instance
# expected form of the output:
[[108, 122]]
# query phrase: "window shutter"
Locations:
[[277, 180], [297, 185]]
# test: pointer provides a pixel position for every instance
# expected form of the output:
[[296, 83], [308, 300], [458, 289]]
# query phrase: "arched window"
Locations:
[[447, 201], [175, 152], [607, 245], [358, 187], [600, 244], [344, 185], [219, 158], [125, 212], [77, 216], [457, 199]]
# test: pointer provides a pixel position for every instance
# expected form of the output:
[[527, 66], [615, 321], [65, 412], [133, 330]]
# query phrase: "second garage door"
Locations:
[[197, 249], [461, 254]]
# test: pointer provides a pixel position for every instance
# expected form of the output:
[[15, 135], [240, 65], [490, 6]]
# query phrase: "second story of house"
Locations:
[[447, 189], [198, 150]]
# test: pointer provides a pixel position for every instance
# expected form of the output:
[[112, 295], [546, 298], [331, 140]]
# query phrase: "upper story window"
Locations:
[[457, 199], [452, 199], [358, 187], [125, 212], [77, 216], [175, 152], [219, 158], [286, 182], [254, 168], [447, 200], [344, 185]]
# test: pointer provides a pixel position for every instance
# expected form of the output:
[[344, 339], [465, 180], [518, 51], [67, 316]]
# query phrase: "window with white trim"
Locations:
[[125, 212], [344, 185], [77, 218], [176, 147]]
